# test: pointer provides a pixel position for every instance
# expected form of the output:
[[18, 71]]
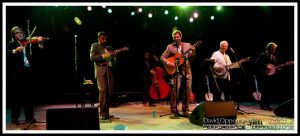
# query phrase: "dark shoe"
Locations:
[[185, 110], [14, 121], [31, 120], [104, 118], [174, 111], [186, 114], [111, 116], [152, 105]]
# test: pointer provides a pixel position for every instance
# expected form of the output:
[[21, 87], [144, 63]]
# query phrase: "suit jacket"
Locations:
[[100, 64], [172, 50]]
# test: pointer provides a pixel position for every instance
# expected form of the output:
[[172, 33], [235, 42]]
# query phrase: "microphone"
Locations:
[[176, 42], [232, 50]]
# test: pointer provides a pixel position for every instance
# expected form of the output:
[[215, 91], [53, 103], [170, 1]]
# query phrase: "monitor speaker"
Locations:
[[286, 109], [72, 119], [216, 112]]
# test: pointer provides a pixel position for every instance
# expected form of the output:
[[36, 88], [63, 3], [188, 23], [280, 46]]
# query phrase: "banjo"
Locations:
[[208, 96], [223, 69], [271, 69], [256, 95]]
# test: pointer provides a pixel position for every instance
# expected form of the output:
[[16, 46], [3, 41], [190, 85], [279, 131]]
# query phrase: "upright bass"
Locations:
[[159, 89]]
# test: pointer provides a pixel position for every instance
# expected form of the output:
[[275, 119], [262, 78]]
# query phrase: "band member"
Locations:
[[21, 52], [265, 81], [221, 72], [101, 55], [149, 63], [184, 70]]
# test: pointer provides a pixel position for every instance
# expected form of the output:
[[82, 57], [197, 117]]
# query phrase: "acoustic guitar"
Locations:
[[178, 56]]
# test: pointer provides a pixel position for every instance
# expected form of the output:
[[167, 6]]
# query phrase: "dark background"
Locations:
[[248, 29]]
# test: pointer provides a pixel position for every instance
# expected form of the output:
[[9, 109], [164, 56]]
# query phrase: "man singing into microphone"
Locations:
[[184, 71]]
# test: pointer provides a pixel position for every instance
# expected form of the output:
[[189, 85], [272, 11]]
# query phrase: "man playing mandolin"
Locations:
[[104, 57], [177, 49]]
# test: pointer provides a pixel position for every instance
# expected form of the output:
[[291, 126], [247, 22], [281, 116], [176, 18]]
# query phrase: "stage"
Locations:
[[137, 117]]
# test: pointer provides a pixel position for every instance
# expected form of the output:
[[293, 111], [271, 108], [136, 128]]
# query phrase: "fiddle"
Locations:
[[33, 40]]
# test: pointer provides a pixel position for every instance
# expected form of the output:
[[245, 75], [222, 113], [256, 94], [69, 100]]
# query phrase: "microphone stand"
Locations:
[[236, 58], [176, 115], [75, 61]]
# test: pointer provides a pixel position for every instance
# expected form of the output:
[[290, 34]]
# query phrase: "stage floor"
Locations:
[[137, 117]]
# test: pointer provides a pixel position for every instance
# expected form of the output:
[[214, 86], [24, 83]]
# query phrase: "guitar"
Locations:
[[178, 56], [271, 69], [223, 70], [256, 95], [112, 60]]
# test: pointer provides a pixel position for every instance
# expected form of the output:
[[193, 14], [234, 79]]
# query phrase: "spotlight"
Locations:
[[109, 11], [191, 20], [166, 12], [176, 18], [132, 13], [212, 17], [140, 10], [89, 8], [150, 15], [195, 14], [77, 21]]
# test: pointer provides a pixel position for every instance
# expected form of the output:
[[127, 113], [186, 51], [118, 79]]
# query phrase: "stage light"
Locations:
[[109, 11], [183, 7], [176, 18], [219, 8], [191, 19], [150, 15], [77, 21], [140, 10], [212, 17], [132, 13], [103, 6], [166, 12], [89, 8], [195, 14]]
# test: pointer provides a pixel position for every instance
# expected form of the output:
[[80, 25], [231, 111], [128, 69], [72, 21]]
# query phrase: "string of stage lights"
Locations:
[[190, 13]]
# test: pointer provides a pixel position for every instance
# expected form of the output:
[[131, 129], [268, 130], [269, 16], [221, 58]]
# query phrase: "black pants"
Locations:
[[225, 87], [265, 84], [22, 95]]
